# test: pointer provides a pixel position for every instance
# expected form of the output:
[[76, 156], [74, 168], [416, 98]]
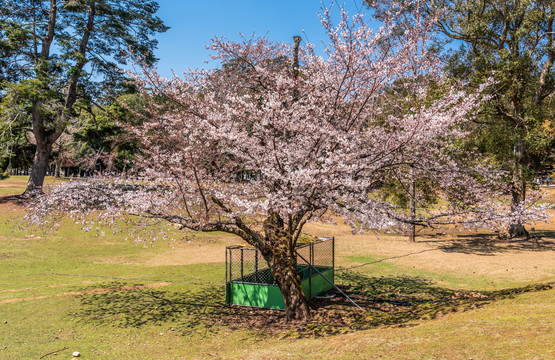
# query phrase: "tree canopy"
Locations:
[[60, 56], [313, 132], [511, 42]]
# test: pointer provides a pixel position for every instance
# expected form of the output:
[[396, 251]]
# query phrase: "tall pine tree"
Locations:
[[58, 56]]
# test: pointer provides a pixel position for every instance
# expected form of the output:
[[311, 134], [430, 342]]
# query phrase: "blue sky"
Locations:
[[194, 22]]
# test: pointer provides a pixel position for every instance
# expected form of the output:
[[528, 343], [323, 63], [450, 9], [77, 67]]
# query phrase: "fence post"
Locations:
[[311, 257], [312, 253], [256, 266], [227, 283], [230, 266], [333, 253], [242, 264]]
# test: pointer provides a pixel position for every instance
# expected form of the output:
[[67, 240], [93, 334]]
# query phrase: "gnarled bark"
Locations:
[[518, 195], [280, 255], [284, 268], [38, 171], [518, 189]]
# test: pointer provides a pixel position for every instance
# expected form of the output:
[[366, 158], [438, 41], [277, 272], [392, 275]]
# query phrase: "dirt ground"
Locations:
[[484, 254], [92, 291], [479, 254]]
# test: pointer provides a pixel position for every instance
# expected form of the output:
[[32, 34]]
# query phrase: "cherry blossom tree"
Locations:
[[310, 130]]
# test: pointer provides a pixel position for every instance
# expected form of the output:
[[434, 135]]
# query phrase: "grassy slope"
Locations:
[[516, 328], [169, 321]]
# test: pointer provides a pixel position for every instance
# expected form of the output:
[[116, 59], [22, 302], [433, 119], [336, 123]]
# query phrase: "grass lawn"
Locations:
[[454, 296]]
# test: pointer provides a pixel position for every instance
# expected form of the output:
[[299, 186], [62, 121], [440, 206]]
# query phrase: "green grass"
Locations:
[[31, 262], [446, 278], [514, 328], [43, 268], [410, 313]]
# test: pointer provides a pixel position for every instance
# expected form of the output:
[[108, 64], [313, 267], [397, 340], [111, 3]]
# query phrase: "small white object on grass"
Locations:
[[76, 354]]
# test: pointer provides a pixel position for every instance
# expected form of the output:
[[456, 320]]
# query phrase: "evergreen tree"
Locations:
[[511, 41], [62, 55]]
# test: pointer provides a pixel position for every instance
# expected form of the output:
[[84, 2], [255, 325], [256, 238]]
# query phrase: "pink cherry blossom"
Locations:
[[258, 147]]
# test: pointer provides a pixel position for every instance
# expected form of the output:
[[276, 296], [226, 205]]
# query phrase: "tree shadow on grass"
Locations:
[[385, 301], [188, 312], [544, 234], [13, 199], [491, 244], [185, 311], [397, 301]]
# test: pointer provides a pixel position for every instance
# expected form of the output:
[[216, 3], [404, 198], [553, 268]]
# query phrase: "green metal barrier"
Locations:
[[249, 281], [269, 295]]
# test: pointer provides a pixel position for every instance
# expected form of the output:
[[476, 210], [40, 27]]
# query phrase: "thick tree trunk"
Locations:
[[284, 267], [518, 193], [44, 141], [279, 252], [38, 171], [518, 190]]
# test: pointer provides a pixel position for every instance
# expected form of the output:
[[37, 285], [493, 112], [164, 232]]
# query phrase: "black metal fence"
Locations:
[[247, 265]]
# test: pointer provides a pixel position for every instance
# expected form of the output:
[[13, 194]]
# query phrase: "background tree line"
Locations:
[[511, 42], [60, 63], [62, 93]]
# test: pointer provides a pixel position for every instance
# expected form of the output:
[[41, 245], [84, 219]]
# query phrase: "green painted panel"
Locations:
[[318, 284], [269, 296]]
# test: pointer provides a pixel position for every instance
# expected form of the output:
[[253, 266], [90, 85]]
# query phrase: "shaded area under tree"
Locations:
[[386, 301]]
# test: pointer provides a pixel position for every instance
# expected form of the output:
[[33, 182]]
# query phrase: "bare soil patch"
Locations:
[[188, 252], [92, 291], [45, 287], [455, 252]]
